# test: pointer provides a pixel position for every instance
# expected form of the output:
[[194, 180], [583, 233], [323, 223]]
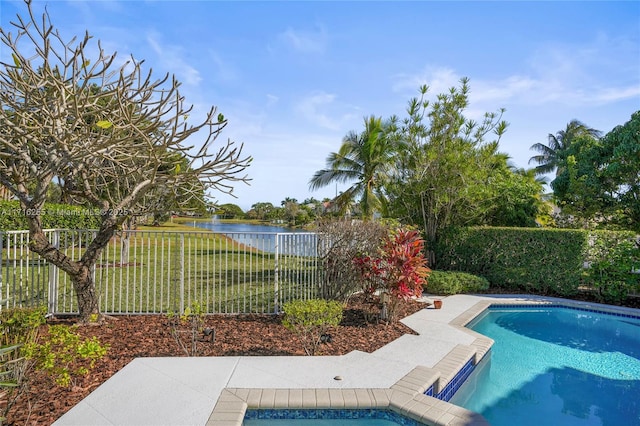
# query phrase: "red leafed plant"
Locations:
[[400, 271]]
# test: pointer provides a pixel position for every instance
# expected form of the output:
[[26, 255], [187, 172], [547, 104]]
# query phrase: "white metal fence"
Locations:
[[160, 272]]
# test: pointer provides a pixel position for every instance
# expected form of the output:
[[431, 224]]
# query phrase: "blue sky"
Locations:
[[293, 78]]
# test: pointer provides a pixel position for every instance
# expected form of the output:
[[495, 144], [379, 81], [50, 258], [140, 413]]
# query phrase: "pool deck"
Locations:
[[218, 390]]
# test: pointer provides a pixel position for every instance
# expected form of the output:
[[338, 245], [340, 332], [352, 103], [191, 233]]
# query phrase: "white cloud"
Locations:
[[439, 80], [272, 99], [503, 90], [323, 109], [224, 71], [313, 108], [172, 58], [305, 41], [562, 74], [615, 94]]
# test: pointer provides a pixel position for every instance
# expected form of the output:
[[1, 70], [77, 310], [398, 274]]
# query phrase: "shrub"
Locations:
[[539, 261], [611, 258], [64, 355], [403, 268], [339, 243], [193, 320], [398, 271], [311, 319], [61, 216], [454, 282], [543, 261], [18, 327]]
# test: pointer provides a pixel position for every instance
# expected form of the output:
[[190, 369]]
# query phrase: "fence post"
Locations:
[[275, 276], [181, 271], [53, 277]]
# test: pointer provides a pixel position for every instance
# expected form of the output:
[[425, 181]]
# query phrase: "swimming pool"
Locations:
[[556, 366], [306, 417]]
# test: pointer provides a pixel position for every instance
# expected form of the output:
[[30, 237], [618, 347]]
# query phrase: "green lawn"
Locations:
[[162, 269]]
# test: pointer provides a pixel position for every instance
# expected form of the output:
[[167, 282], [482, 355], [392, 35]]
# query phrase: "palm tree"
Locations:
[[363, 158], [551, 155]]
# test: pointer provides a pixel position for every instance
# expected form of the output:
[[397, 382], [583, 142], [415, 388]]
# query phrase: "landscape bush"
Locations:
[[544, 261], [613, 260], [54, 216], [18, 327], [339, 243], [64, 355], [311, 320], [455, 282], [398, 271], [188, 328]]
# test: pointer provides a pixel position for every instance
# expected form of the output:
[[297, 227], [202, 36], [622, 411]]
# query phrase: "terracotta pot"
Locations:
[[437, 304]]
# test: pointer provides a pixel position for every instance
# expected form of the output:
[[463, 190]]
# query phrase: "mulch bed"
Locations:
[[135, 336]]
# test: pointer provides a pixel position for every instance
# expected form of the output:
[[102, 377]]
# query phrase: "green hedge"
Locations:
[[541, 261], [610, 256], [60, 216], [454, 282]]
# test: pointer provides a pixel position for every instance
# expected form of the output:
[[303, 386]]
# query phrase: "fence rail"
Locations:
[[159, 272]]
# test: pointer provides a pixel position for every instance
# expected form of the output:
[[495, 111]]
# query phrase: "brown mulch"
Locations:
[[135, 336]]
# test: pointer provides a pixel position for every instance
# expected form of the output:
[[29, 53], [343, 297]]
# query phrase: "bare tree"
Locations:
[[110, 135], [339, 243]]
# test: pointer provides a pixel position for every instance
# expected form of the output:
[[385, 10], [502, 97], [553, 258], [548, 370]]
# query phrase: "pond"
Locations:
[[216, 226], [266, 238]]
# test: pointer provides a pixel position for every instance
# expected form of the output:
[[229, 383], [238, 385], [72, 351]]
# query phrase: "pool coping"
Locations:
[[414, 395]]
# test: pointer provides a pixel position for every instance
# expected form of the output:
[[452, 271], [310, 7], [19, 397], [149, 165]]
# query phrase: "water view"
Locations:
[[224, 227], [266, 238]]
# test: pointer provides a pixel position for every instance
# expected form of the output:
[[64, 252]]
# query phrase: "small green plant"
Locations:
[[64, 354], [453, 282], [311, 320], [193, 319], [18, 326]]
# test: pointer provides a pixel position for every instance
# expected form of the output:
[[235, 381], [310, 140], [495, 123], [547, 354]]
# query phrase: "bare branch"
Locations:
[[110, 136]]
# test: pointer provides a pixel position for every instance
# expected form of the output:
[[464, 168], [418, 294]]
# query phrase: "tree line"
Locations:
[[437, 169], [597, 178]]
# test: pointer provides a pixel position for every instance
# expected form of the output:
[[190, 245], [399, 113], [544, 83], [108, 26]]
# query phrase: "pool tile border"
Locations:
[[233, 403], [422, 394], [345, 413]]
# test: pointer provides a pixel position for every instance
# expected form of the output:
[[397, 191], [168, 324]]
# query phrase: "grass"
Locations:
[[164, 269]]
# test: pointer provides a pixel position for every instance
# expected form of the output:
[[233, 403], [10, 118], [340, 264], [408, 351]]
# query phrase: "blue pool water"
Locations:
[[556, 366], [290, 417]]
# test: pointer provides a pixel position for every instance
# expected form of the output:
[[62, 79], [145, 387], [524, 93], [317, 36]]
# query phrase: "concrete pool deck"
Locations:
[[218, 390]]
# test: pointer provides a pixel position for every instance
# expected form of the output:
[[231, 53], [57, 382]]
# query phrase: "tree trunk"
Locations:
[[79, 271], [430, 229], [86, 295], [125, 239]]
